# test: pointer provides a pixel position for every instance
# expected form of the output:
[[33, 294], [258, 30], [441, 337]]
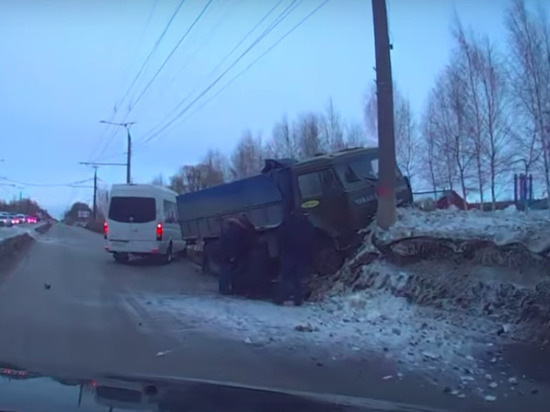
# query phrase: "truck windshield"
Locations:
[[361, 168], [127, 209], [358, 169]]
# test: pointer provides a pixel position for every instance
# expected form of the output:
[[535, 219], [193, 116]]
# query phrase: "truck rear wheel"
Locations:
[[209, 262]]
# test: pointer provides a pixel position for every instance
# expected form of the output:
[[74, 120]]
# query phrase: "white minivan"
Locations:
[[142, 221]]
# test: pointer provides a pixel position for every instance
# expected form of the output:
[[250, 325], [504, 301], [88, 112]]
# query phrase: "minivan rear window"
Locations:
[[128, 209]]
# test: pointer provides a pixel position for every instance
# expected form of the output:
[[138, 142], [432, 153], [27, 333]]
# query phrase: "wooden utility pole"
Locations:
[[387, 167]]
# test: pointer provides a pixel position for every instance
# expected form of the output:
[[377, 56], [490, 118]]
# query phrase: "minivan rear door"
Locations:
[[132, 218]]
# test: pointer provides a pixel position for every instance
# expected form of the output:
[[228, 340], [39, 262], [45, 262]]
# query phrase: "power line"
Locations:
[[234, 78], [140, 71], [46, 184], [147, 24], [242, 72], [207, 39], [180, 41], [155, 47], [246, 37], [284, 14]]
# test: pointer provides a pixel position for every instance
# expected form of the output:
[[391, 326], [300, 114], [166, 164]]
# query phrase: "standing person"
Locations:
[[296, 241], [234, 242]]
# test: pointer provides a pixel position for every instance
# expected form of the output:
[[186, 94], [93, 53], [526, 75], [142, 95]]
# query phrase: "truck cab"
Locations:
[[338, 191]]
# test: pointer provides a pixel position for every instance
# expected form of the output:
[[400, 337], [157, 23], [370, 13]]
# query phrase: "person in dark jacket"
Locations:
[[296, 242], [235, 240]]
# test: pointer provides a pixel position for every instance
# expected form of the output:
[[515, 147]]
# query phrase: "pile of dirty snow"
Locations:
[[531, 228], [484, 265]]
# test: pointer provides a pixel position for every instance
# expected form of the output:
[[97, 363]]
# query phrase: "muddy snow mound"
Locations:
[[469, 266], [503, 227]]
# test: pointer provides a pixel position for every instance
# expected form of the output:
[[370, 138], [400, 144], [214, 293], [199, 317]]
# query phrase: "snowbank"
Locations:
[[531, 228], [486, 265], [7, 232]]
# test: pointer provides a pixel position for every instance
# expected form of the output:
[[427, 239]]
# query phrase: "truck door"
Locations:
[[322, 195]]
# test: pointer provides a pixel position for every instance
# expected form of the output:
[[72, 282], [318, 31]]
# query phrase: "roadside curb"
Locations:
[[43, 228], [12, 248]]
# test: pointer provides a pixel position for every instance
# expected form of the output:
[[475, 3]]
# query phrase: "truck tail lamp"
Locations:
[[159, 231], [105, 230]]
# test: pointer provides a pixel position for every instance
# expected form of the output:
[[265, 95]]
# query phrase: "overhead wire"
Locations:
[[154, 49], [46, 184], [238, 75], [189, 106], [138, 74], [207, 39], [178, 44], [283, 15]]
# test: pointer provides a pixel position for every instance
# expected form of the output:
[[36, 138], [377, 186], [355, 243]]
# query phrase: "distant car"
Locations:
[[5, 219], [30, 219], [14, 218], [21, 218]]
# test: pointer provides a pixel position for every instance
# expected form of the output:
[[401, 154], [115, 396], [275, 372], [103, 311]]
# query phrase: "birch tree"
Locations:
[[247, 157], [333, 131], [529, 52]]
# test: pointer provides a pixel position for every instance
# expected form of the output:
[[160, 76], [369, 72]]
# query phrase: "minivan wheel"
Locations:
[[168, 257], [121, 257]]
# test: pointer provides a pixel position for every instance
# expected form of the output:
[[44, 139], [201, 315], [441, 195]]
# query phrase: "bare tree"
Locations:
[[308, 132], [429, 147], [455, 106], [406, 140], [468, 65], [283, 141], [177, 182], [247, 158], [451, 141], [102, 202], [214, 167], [355, 135], [158, 180], [495, 106], [529, 50], [333, 131]]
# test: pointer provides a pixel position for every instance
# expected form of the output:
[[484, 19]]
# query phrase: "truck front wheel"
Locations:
[[327, 260]]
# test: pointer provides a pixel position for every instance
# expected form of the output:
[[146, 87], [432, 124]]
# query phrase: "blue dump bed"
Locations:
[[201, 212]]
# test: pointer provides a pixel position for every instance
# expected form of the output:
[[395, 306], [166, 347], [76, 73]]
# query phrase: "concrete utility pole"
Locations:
[[129, 151], [94, 209], [95, 166], [386, 214]]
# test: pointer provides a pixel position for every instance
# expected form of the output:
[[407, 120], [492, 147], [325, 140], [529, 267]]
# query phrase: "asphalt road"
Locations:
[[87, 322]]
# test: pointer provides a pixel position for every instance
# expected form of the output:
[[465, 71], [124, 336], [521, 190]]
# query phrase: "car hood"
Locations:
[[23, 390]]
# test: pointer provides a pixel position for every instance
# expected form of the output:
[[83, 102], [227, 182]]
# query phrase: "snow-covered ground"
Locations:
[[428, 317], [531, 228], [7, 232]]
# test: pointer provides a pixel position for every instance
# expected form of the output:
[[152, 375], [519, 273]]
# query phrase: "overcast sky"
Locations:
[[66, 64]]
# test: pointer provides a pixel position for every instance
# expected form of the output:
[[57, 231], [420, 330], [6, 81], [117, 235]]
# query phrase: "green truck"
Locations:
[[338, 191]]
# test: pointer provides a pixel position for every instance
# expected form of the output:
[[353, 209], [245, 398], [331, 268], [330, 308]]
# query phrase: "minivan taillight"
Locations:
[[159, 231], [105, 229]]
